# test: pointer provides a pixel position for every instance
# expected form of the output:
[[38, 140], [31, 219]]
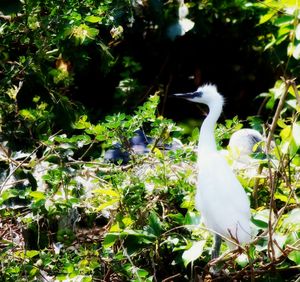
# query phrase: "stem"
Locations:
[[273, 178], [166, 92], [296, 93], [271, 251], [288, 83], [159, 138], [88, 149]]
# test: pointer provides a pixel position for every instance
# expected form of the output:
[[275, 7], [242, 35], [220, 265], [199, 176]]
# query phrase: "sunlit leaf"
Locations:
[[194, 252], [284, 20], [297, 32], [192, 218], [110, 239], [186, 25], [178, 217], [242, 260], [93, 19], [281, 123], [296, 161], [286, 132], [279, 246], [142, 273], [31, 253], [296, 52], [261, 218], [7, 194], [108, 192], [55, 159], [292, 220], [296, 133], [28, 114], [260, 223], [38, 195], [295, 256], [155, 224], [293, 104], [107, 204], [267, 16], [284, 198]]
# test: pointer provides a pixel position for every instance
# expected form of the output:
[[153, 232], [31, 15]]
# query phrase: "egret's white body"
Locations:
[[242, 144], [220, 198]]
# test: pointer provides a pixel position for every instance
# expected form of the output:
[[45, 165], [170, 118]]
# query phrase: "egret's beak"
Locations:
[[189, 95]]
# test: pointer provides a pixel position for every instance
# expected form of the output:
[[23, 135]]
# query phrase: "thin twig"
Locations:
[[166, 92], [88, 149], [288, 83], [159, 138], [296, 93], [270, 136], [271, 206], [171, 277], [19, 165]]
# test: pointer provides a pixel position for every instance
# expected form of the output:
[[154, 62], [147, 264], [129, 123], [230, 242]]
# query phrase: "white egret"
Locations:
[[242, 144], [245, 142], [220, 198]]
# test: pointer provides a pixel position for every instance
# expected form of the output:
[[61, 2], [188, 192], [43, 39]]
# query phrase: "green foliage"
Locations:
[[66, 214]]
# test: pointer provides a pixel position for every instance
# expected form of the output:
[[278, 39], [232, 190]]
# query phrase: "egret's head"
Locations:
[[206, 94]]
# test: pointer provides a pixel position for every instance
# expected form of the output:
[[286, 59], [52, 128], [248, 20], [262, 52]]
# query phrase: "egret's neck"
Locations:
[[207, 139]]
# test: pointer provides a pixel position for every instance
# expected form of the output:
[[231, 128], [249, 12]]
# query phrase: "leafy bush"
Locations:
[[67, 213]]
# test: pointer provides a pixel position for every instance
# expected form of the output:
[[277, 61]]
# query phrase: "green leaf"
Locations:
[[109, 203], [296, 133], [242, 260], [193, 252], [267, 17], [296, 161], [284, 20], [295, 256], [10, 193], [283, 198], [61, 277], [31, 253], [93, 19], [261, 218], [110, 239], [155, 224], [108, 192], [178, 218], [292, 220], [28, 114], [82, 123], [281, 123], [69, 268], [297, 32], [142, 273], [37, 195], [279, 246], [55, 159], [260, 223], [293, 238], [296, 52], [191, 218], [286, 132]]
